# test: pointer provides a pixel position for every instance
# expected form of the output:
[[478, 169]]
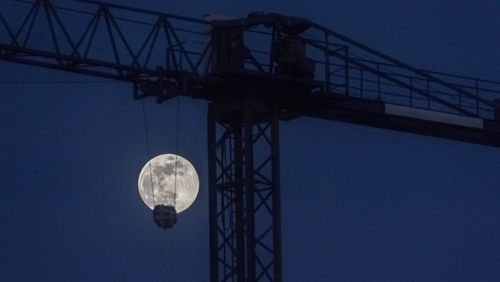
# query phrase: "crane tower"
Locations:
[[255, 72]]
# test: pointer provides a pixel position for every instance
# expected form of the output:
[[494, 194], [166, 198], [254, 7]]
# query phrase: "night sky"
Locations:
[[359, 203]]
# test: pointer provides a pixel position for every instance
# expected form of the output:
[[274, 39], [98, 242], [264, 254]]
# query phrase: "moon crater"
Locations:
[[170, 180]]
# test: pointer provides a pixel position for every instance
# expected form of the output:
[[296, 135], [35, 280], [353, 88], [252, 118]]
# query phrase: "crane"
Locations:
[[255, 72]]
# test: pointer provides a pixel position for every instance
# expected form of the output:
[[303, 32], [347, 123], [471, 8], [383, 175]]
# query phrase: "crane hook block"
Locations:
[[165, 216]]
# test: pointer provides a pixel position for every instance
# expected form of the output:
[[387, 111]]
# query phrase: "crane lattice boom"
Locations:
[[254, 71]]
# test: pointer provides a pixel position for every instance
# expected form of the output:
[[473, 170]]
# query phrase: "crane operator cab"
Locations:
[[289, 53], [265, 49]]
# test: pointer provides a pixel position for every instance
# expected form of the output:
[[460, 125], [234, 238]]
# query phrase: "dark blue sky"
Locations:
[[359, 204]]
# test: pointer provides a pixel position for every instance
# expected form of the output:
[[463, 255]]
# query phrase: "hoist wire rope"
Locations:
[[177, 129], [148, 149]]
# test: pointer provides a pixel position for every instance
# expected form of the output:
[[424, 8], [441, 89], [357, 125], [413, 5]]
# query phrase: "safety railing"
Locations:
[[131, 44], [348, 68]]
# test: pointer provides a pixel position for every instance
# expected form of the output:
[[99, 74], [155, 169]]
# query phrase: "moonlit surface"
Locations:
[[174, 180]]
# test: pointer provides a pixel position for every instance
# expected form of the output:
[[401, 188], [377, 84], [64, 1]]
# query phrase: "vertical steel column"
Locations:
[[497, 109], [276, 195], [212, 194], [249, 180], [244, 196]]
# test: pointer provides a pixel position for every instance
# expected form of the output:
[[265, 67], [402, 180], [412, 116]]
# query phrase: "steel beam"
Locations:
[[244, 192]]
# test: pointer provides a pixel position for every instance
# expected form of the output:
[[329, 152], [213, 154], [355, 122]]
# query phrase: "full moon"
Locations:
[[169, 180]]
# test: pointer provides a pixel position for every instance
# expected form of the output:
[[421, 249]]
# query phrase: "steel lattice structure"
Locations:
[[245, 225], [255, 72]]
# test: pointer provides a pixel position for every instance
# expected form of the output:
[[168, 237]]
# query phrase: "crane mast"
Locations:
[[255, 72]]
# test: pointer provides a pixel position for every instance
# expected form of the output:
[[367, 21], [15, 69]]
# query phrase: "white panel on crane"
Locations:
[[429, 115]]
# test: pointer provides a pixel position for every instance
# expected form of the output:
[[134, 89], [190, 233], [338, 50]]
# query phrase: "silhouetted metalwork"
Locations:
[[255, 71], [245, 225], [164, 216]]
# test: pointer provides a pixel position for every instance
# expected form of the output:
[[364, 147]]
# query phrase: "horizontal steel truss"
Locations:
[[244, 180], [155, 55], [163, 61], [245, 234]]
